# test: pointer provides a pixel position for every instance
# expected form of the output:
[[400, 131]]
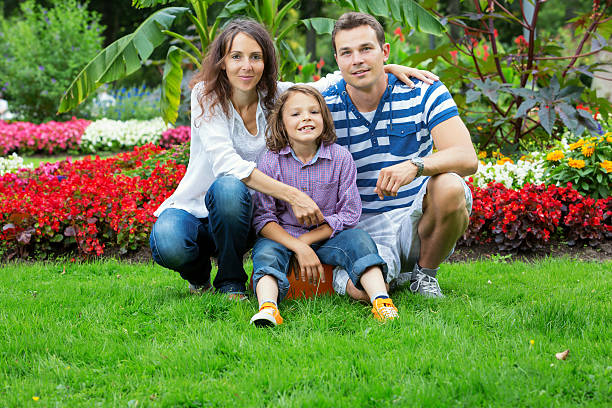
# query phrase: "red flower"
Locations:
[[454, 55], [316, 77], [398, 32], [321, 63]]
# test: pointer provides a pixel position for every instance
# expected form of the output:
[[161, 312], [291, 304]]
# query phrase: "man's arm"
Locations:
[[455, 154]]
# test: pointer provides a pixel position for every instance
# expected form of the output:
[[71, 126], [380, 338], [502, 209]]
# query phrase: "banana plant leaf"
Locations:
[[171, 84], [121, 58]]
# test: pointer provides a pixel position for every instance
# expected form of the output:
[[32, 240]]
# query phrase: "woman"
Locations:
[[210, 212]]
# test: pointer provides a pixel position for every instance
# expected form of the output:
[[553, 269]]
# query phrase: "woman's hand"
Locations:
[[305, 209], [404, 73], [308, 266]]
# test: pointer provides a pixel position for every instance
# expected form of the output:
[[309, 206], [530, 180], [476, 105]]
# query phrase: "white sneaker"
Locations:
[[426, 285]]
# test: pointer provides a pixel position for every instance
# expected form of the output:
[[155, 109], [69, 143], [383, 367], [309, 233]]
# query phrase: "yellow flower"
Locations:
[[555, 155], [609, 139], [577, 164], [482, 155], [606, 165], [588, 149], [35, 398], [532, 342], [495, 154], [479, 127], [523, 158], [576, 145], [489, 120]]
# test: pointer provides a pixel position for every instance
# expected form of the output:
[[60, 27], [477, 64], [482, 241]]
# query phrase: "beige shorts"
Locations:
[[396, 237]]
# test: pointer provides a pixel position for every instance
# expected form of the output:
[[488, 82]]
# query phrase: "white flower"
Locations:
[[106, 134], [11, 163], [511, 175]]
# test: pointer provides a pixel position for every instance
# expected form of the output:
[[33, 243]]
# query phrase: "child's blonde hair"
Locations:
[[277, 138]]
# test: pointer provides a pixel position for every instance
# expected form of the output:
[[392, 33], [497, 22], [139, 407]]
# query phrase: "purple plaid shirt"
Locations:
[[329, 179]]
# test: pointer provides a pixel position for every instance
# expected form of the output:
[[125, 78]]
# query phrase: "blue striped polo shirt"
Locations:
[[400, 130]]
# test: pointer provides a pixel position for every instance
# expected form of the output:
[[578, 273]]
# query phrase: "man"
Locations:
[[415, 202]]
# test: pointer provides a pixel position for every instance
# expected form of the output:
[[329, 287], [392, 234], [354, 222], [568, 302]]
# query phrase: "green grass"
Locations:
[[113, 334]]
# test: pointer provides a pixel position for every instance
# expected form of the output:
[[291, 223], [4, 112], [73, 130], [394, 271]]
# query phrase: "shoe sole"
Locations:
[[263, 322]]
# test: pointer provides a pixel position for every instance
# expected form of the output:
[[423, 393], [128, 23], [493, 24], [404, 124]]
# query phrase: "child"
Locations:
[[303, 155]]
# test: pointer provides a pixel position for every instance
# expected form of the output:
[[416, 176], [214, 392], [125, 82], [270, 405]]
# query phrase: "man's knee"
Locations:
[[446, 193]]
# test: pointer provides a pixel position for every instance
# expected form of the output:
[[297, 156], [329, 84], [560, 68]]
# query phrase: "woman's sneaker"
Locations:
[[268, 316], [384, 309]]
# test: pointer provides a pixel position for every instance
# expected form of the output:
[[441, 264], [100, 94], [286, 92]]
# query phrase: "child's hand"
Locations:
[[308, 265]]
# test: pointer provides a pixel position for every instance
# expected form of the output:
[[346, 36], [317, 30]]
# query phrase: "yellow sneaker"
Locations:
[[268, 316], [384, 309]]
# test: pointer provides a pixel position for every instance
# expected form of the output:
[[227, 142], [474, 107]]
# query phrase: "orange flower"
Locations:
[[606, 165], [300, 67], [482, 155], [588, 149], [398, 32], [320, 63], [576, 145], [555, 155], [316, 77], [577, 164], [504, 160]]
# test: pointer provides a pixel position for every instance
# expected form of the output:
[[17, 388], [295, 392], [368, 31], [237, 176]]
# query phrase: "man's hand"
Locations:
[[391, 178], [306, 210], [308, 265]]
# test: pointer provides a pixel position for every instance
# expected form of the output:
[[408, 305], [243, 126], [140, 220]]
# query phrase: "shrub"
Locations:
[[510, 174], [42, 51]]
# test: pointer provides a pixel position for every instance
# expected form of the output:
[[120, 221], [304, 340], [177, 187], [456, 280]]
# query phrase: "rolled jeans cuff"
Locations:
[[363, 263]]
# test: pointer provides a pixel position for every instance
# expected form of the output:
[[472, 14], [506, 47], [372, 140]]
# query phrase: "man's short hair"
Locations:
[[351, 20]]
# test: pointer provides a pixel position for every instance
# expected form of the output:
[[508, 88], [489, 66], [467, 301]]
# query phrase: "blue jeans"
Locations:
[[185, 243], [352, 249]]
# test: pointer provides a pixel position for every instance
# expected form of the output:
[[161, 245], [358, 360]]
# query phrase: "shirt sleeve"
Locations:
[[438, 105], [348, 207], [321, 85], [212, 128], [265, 208]]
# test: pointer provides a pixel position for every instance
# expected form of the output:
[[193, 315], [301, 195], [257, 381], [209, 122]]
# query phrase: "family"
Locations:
[[362, 170]]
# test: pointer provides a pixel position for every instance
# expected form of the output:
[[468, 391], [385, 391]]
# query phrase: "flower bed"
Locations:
[[87, 204], [528, 218], [112, 135], [91, 204], [51, 137], [79, 135]]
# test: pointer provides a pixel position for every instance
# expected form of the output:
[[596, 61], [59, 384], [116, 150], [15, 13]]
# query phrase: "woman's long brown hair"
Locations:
[[217, 89]]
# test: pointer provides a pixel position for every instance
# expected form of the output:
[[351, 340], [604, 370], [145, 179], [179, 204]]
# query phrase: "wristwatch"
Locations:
[[418, 162]]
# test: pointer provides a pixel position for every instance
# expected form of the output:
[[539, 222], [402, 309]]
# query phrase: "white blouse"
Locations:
[[220, 146]]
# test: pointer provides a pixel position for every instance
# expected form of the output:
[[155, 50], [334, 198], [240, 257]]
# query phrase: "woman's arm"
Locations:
[[304, 208], [404, 73]]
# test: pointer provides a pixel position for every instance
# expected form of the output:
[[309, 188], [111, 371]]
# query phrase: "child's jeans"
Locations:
[[352, 249]]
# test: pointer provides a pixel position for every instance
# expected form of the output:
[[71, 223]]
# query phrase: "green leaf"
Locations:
[[472, 96], [599, 177], [121, 58], [547, 118], [419, 18], [171, 85], [321, 25], [57, 238], [149, 3], [525, 107]]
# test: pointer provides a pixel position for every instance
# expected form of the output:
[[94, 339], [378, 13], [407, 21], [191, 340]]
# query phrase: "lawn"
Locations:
[[130, 335]]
